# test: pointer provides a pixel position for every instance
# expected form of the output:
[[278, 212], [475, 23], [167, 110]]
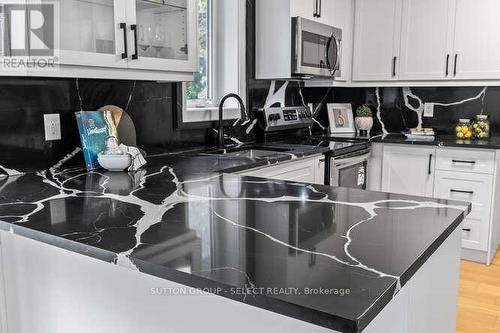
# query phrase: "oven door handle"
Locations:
[[351, 160]]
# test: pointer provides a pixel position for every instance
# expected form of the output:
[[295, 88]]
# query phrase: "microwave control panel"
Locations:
[[276, 119]]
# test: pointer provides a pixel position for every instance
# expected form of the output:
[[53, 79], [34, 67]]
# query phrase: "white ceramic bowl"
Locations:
[[114, 162]]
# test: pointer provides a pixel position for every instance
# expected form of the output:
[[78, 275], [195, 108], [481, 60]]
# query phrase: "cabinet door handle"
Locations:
[[123, 26], [315, 14], [320, 5], [135, 56], [447, 64], [462, 191], [455, 65], [394, 66], [464, 162], [430, 164], [467, 229]]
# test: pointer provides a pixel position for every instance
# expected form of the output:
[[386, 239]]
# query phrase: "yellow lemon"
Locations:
[[460, 135]]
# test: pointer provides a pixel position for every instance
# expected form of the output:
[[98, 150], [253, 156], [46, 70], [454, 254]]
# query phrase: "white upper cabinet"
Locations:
[[426, 40], [324, 11], [127, 39], [164, 34], [376, 40], [308, 9], [477, 39], [92, 33]]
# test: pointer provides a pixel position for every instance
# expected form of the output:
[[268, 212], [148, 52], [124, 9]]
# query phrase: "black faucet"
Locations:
[[220, 134]]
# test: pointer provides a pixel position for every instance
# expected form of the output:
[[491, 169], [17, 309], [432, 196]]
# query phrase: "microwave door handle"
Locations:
[[328, 46], [339, 53]]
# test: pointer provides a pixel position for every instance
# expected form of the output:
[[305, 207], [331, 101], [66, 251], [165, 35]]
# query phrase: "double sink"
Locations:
[[252, 152]]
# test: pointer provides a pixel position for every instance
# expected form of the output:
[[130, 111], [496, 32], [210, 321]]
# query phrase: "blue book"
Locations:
[[93, 133]]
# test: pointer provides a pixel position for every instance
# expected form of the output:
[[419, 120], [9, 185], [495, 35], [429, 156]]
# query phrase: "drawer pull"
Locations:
[[462, 191], [464, 162], [467, 229], [429, 171]]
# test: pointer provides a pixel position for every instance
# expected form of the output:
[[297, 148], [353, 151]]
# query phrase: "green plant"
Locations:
[[363, 111]]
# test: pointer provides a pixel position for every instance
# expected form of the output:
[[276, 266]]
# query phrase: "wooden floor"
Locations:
[[479, 298]]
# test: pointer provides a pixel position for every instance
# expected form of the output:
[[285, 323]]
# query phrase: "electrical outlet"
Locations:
[[429, 110], [52, 123]]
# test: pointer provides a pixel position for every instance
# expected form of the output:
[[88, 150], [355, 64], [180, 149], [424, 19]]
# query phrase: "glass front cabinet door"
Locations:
[[164, 34], [91, 32], [141, 36]]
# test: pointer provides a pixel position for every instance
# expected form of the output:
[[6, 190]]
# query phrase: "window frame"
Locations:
[[207, 110], [210, 100]]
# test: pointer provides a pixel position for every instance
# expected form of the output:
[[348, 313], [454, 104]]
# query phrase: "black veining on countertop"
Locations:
[[184, 220]]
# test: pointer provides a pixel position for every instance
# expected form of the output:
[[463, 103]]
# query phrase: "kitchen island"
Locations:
[[184, 246]]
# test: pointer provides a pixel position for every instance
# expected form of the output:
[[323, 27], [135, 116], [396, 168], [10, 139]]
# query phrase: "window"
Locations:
[[199, 92], [222, 60]]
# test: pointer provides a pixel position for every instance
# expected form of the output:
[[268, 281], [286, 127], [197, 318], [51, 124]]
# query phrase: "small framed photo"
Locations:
[[341, 118]]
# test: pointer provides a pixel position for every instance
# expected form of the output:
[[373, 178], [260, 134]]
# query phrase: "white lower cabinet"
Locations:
[[307, 170], [475, 188], [458, 174], [408, 170], [470, 175]]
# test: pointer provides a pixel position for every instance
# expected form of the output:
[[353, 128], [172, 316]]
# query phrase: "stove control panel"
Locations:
[[276, 119]]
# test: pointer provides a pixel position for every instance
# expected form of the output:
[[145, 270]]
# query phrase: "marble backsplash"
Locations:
[[399, 109], [394, 109], [153, 108], [24, 101]]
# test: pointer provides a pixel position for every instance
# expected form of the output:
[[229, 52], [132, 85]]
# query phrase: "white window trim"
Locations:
[[191, 113]]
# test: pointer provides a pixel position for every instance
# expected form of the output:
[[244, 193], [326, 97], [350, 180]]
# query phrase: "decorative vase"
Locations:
[[364, 125]]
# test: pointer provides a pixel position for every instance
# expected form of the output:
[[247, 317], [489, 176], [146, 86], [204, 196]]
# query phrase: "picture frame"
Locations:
[[341, 118]]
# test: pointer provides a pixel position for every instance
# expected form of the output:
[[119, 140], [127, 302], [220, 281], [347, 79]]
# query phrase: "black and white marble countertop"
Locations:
[[439, 140], [184, 219]]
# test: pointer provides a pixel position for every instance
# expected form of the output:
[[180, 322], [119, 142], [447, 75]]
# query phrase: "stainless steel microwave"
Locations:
[[316, 49]]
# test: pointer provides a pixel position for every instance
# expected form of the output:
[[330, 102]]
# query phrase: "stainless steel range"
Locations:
[[349, 166], [346, 164]]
